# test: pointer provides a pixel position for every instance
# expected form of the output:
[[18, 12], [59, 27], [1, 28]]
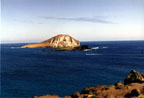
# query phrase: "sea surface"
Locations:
[[27, 72]]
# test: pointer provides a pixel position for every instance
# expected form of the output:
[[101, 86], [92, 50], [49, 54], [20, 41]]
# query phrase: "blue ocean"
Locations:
[[27, 72]]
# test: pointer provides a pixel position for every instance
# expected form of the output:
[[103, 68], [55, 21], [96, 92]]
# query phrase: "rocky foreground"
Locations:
[[58, 41], [133, 87]]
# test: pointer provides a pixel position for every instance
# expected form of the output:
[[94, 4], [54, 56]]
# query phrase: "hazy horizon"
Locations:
[[6, 42], [85, 20]]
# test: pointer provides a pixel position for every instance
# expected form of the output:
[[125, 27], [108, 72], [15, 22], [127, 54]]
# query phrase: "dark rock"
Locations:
[[82, 47], [91, 92], [85, 96], [128, 95], [34, 97], [75, 95], [119, 85], [79, 48], [81, 96], [106, 88], [143, 90], [85, 91], [135, 92], [134, 77]]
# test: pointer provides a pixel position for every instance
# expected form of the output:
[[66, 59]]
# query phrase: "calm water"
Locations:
[[29, 72]]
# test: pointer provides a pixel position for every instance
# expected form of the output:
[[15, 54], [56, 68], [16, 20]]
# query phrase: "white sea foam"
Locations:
[[87, 49], [14, 47], [105, 47], [94, 48], [92, 54]]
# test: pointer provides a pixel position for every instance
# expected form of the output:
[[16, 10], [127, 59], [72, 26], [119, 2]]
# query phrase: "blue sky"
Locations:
[[86, 20]]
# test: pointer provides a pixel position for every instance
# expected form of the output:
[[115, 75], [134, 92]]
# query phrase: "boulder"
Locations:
[[34, 97], [75, 95], [134, 77], [47, 96], [119, 85], [135, 92]]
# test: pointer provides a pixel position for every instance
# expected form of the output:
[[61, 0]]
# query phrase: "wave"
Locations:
[[87, 49], [15, 47], [92, 54], [114, 54], [94, 48]]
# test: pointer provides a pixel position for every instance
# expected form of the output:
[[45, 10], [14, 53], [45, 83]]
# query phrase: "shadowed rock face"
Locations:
[[134, 77], [58, 41], [78, 48], [118, 90]]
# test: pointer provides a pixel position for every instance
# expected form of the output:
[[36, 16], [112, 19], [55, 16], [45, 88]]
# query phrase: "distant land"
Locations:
[[58, 41], [37, 41]]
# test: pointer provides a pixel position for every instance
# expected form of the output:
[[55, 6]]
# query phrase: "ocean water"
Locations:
[[31, 72]]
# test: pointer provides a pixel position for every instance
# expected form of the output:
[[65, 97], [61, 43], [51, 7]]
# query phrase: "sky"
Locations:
[[85, 20]]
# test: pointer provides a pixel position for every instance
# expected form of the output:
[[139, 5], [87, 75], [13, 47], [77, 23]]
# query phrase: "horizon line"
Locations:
[[80, 41]]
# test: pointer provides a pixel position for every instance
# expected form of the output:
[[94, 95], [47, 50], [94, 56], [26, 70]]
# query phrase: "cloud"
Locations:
[[81, 19], [28, 21], [24, 21]]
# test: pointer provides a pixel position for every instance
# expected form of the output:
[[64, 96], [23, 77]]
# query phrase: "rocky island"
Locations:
[[61, 42], [58, 41], [133, 87]]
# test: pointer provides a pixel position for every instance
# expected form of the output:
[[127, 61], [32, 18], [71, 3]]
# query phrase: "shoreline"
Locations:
[[133, 87]]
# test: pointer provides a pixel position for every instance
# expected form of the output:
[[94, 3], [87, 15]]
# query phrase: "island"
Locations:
[[61, 42], [58, 41]]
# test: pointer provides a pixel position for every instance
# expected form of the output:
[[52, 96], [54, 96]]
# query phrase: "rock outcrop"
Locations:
[[113, 91], [118, 90], [59, 41], [78, 48], [134, 77], [47, 96]]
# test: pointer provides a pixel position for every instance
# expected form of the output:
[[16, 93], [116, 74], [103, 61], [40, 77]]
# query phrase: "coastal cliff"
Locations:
[[133, 87], [58, 41]]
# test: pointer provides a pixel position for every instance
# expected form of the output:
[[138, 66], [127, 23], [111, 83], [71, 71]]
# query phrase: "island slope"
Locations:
[[58, 41]]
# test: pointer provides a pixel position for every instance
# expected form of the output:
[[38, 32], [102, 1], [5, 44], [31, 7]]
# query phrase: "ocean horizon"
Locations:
[[10, 42]]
